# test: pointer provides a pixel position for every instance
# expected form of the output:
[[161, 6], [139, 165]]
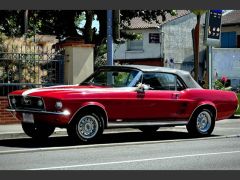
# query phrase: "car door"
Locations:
[[162, 100]]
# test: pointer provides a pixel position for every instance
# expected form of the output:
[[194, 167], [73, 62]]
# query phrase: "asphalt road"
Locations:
[[168, 149]]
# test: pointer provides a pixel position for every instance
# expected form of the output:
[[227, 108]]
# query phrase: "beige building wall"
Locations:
[[79, 63]]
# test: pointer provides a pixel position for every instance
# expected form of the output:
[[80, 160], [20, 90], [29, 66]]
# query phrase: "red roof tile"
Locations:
[[138, 23]]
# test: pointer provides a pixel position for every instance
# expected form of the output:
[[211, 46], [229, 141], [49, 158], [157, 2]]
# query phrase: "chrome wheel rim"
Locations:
[[87, 127], [204, 121]]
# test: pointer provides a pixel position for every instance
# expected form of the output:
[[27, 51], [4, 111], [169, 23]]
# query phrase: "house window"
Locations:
[[154, 38], [135, 45]]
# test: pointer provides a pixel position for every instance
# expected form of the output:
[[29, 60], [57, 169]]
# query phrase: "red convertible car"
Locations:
[[143, 97]]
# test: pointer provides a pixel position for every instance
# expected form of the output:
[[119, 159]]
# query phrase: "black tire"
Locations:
[[38, 131], [86, 127], [149, 129], [201, 124]]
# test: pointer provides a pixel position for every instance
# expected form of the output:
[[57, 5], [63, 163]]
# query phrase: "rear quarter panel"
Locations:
[[225, 102]]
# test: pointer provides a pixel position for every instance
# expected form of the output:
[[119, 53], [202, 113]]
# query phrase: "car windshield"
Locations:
[[114, 78]]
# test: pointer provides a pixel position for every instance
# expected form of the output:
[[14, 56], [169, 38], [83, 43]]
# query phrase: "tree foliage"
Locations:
[[64, 23]]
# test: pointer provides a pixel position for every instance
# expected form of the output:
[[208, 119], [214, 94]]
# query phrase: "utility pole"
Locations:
[[212, 38], [109, 45], [209, 66], [109, 38]]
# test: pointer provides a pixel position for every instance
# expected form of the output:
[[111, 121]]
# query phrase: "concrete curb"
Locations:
[[15, 131], [58, 132], [11, 135], [6, 136]]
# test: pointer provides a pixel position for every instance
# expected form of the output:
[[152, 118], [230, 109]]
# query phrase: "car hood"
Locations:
[[69, 90]]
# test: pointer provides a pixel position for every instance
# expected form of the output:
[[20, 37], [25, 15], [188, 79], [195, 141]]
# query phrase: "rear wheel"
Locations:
[[86, 127], [148, 129], [202, 123], [38, 130]]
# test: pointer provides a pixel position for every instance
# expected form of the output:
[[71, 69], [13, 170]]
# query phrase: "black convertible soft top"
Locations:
[[185, 76]]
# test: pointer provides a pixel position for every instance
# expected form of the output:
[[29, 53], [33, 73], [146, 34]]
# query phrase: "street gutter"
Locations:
[[111, 145]]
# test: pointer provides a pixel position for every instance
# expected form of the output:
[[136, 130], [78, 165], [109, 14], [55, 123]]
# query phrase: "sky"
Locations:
[[94, 24]]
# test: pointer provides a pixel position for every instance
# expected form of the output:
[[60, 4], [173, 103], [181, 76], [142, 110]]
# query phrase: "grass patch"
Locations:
[[238, 111]]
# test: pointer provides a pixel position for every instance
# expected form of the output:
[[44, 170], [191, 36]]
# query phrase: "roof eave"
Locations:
[[140, 28], [231, 24]]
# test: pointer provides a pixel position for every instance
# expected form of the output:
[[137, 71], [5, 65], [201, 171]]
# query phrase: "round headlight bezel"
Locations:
[[40, 103], [13, 101], [58, 105]]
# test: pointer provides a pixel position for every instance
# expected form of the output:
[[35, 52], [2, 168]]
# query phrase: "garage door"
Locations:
[[228, 40]]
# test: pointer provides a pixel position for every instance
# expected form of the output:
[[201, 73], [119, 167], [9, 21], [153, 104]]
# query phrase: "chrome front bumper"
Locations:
[[64, 113]]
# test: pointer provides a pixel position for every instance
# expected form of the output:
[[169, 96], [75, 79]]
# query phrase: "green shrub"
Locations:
[[222, 84], [238, 111]]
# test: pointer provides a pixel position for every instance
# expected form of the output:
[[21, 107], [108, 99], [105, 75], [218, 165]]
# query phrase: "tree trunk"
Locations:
[[23, 22], [69, 22], [88, 32], [26, 22], [196, 41], [116, 25], [102, 17]]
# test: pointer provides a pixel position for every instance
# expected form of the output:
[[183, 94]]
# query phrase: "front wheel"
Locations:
[[86, 127], [202, 123], [38, 130]]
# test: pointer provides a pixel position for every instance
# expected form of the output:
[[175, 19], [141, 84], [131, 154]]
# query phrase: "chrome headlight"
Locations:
[[13, 101], [58, 105], [40, 103]]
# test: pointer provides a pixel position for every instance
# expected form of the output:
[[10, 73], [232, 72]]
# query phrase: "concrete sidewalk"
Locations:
[[15, 131]]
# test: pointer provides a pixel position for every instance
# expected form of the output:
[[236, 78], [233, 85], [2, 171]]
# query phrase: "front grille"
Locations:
[[26, 102]]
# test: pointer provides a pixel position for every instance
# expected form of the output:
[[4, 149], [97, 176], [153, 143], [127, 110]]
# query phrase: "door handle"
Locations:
[[175, 95]]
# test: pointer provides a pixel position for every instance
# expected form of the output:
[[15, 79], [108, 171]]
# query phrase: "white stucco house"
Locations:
[[170, 39]]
